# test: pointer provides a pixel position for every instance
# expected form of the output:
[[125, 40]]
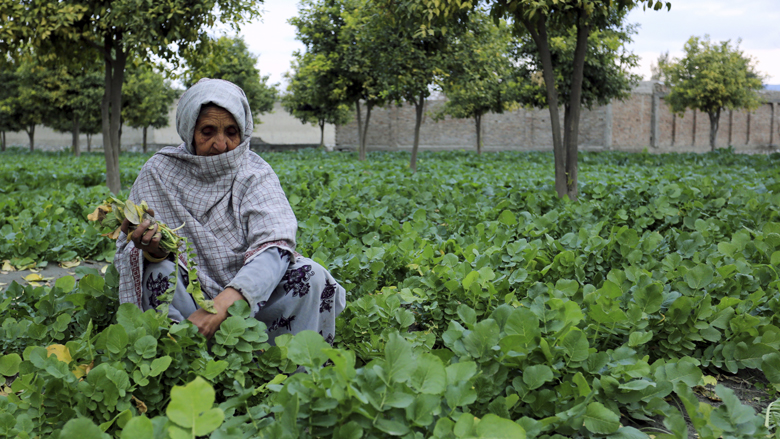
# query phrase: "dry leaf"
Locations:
[[139, 405], [35, 277], [5, 391], [7, 266], [70, 264], [2, 284], [115, 233], [100, 213], [83, 369], [60, 351]]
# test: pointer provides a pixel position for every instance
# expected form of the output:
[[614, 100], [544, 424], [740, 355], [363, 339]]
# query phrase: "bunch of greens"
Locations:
[[112, 213]]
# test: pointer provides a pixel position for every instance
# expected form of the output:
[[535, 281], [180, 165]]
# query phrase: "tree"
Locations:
[[77, 97], [711, 77], [331, 31], [147, 99], [229, 59], [310, 95], [479, 76], [8, 121], [63, 32], [408, 63], [28, 99], [540, 19], [606, 72]]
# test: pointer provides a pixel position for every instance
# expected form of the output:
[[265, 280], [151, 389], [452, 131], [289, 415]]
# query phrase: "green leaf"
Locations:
[[430, 376], [535, 376], [699, 276], [421, 411], [191, 407], [507, 218], [494, 427], [116, 339], [160, 365], [638, 338], [307, 349], [82, 428], [138, 427], [66, 283], [482, 338], [398, 355], [601, 420], [775, 259], [470, 279], [9, 364]]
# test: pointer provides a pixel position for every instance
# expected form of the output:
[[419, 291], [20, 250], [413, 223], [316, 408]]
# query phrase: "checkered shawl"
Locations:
[[232, 205]]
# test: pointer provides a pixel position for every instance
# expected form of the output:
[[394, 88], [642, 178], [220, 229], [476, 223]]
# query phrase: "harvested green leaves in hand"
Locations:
[[114, 211]]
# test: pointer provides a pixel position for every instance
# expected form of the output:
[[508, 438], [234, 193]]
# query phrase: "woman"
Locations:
[[235, 216]]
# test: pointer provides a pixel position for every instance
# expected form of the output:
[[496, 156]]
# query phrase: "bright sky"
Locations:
[[757, 22]]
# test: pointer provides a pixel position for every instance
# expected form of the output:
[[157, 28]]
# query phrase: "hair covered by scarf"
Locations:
[[232, 205]]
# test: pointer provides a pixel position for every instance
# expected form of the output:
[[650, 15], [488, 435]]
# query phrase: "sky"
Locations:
[[756, 22]]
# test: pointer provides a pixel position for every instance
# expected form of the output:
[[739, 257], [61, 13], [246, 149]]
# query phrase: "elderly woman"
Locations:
[[236, 217]]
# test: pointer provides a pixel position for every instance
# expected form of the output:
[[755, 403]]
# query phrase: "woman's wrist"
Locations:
[[226, 298]]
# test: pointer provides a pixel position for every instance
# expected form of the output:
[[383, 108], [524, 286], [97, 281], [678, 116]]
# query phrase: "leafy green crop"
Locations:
[[479, 305]]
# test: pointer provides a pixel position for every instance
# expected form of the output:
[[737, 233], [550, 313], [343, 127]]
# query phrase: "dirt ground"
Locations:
[[50, 273]]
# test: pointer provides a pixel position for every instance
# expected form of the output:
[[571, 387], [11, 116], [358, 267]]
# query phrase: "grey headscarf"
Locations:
[[232, 204], [212, 91]]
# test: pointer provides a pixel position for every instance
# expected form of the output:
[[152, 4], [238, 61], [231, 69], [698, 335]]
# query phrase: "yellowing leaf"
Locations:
[[103, 270], [100, 213], [115, 233], [83, 369], [7, 266], [60, 351], [36, 277], [709, 379], [5, 391], [70, 264]]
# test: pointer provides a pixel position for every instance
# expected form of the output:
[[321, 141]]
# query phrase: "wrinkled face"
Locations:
[[216, 132]]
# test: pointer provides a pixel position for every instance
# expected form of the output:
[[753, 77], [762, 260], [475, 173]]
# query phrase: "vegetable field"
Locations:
[[479, 305]]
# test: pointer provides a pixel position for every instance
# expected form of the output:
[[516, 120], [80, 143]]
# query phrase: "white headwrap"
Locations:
[[232, 204]]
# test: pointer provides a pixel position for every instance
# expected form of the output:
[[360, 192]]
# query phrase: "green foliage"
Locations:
[[606, 71], [479, 304], [229, 59], [479, 77], [311, 96], [147, 97], [711, 77]]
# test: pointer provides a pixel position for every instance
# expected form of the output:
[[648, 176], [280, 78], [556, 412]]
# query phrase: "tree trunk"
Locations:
[[538, 32], [31, 135], [75, 131], [418, 112], [144, 144], [361, 153], [2, 141], [112, 109], [478, 121], [573, 109], [321, 122], [714, 125], [89, 142], [363, 147]]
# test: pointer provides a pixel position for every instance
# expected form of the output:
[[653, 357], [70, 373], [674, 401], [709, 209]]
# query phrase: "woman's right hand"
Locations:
[[144, 237]]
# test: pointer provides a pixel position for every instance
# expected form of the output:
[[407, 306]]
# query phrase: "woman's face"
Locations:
[[216, 132]]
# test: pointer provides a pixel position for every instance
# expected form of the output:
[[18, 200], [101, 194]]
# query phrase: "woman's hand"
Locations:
[[208, 323], [146, 238]]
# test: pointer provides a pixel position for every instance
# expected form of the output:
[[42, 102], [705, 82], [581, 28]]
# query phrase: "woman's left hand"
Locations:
[[208, 323]]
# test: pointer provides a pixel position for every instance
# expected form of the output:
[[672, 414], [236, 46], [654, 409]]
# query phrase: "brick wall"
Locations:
[[643, 120]]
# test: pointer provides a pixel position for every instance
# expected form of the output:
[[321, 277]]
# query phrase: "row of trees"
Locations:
[[67, 99], [376, 52]]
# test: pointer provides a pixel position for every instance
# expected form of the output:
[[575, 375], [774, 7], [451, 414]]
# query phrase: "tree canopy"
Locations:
[[541, 19], [711, 77], [229, 58], [147, 98], [311, 96], [65, 31], [479, 75]]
